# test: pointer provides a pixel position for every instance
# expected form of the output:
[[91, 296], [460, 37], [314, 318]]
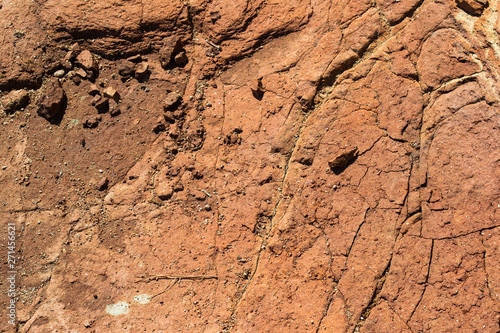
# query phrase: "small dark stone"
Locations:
[[159, 126], [102, 105], [473, 7], [214, 16], [91, 121], [50, 104], [76, 80]]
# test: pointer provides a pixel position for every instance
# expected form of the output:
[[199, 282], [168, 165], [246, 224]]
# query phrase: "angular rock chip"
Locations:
[[111, 92], [164, 192], [86, 60], [50, 104], [171, 46], [91, 121], [343, 158], [114, 110], [181, 59], [102, 184], [102, 105]]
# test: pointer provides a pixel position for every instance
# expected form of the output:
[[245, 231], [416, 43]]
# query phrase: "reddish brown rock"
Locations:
[[86, 60], [51, 103], [172, 100], [170, 48], [327, 166], [102, 184], [111, 92], [91, 121], [141, 70], [473, 7], [15, 100], [125, 68]]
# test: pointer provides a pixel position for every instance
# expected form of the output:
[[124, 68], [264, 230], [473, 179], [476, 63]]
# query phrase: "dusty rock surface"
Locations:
[[251, 166]]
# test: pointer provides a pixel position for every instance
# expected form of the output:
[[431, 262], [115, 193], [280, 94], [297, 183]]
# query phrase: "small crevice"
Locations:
[[425, 283], [375, 296]]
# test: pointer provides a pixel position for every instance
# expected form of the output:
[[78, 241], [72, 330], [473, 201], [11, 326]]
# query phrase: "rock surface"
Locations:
[[287, 166]]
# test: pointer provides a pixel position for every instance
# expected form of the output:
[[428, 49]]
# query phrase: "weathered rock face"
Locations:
[[249, 166]]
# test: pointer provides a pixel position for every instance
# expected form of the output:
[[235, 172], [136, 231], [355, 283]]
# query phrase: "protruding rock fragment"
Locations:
[[125, 68], [178, 187], [141, 70], [86, 60], [343, 159], [199, 195], [172, 101], [81, 72], [135, 58], [114, 109], [164, 191], [174, 131], [181, 59], [93, 90], [102, 184], [214, 15], [257, 89], [159, 126], [59, 73], [15, 100], [473, 7], [169, 117], [91, 121], [171, 46], [50, 104], [75, 49], [111, 92], [102, 105], [94, 100]]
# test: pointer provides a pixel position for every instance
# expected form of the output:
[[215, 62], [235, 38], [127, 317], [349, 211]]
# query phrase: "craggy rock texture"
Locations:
[[251, 166]]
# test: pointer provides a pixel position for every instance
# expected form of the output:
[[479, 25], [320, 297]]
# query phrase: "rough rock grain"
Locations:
[[286, 166]]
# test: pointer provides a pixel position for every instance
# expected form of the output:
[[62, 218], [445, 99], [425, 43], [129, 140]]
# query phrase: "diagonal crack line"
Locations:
[[357, 233], [375, 296], [334, 284], [425, 284], [276, 208]]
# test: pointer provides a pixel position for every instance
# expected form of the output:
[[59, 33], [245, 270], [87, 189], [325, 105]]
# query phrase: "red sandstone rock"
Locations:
[[328, 167]]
